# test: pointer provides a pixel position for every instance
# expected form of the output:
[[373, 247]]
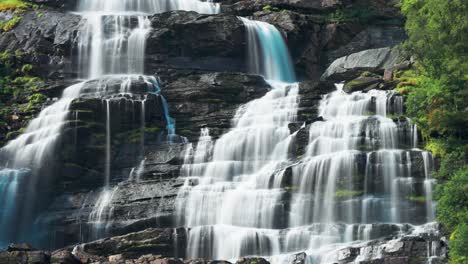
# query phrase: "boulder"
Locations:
[[252, 260], [64, 257], [361, 83], [351, 66]]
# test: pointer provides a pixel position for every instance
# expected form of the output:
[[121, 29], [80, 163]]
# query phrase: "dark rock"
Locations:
[[348, 254], [213, 96], [63, 4], [45, 40], [299, 258], [150, 241], [349, 67], [64, 257], [343, 39], [182, 39], [252, 261], [20, 247], [246, 7], [311, 93]]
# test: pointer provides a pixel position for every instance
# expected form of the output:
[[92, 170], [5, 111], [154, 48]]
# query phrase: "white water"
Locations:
[[110, 43], [352, 185], [232, 189], [33, 146]]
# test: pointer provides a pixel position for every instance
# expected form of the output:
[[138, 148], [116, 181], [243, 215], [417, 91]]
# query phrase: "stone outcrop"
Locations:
[[351, 66], [182, 39], [45, 38]]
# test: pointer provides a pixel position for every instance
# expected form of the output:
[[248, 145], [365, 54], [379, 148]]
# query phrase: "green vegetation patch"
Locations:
[[342, 193]]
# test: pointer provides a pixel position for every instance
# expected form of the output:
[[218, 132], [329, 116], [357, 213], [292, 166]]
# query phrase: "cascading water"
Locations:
[[354, 183], [267, 54], [112, 41], [244, 167]]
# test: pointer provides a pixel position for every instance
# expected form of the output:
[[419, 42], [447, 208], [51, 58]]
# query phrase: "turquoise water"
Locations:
[[10, 181], [268, 54]]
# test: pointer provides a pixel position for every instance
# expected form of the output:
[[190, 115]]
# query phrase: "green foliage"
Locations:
[[27, 68], [450, 163], [437, 106], [35, 100], [347, 193], [438, 36], [437, 100], [452, 211], [459, 245], [357, 13], [452, 208]]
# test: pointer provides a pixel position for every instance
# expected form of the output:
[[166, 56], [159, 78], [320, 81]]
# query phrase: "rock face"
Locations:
[[215, 98], [182, 39], [199, 61], [348, 67], [45, 38]]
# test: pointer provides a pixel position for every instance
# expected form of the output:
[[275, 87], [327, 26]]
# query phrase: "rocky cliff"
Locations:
[[199, 61]]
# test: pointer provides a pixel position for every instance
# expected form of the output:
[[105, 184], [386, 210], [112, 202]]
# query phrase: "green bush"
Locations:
[[452, 208], [459, 245]]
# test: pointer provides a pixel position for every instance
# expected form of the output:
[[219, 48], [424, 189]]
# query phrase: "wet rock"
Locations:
[[189, 40], [20, 247], [62, 4], [299, 258], [150, 241], [15, 257], [361, 83], [311, 93], [245, 7], [213, 96], [45, 41], [64, 257], [252, 261], [348, 254], [349, 67]]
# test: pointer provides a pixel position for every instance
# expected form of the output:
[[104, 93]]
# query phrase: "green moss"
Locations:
[[10, 24], [27, 68], [420, 199], [342, 193], [152, 130], [35, 100], [270, 8]]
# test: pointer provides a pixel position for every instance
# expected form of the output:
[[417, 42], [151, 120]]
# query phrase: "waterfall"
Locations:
[[267, 54], [232, 192], [110, 44], [354, 183]]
